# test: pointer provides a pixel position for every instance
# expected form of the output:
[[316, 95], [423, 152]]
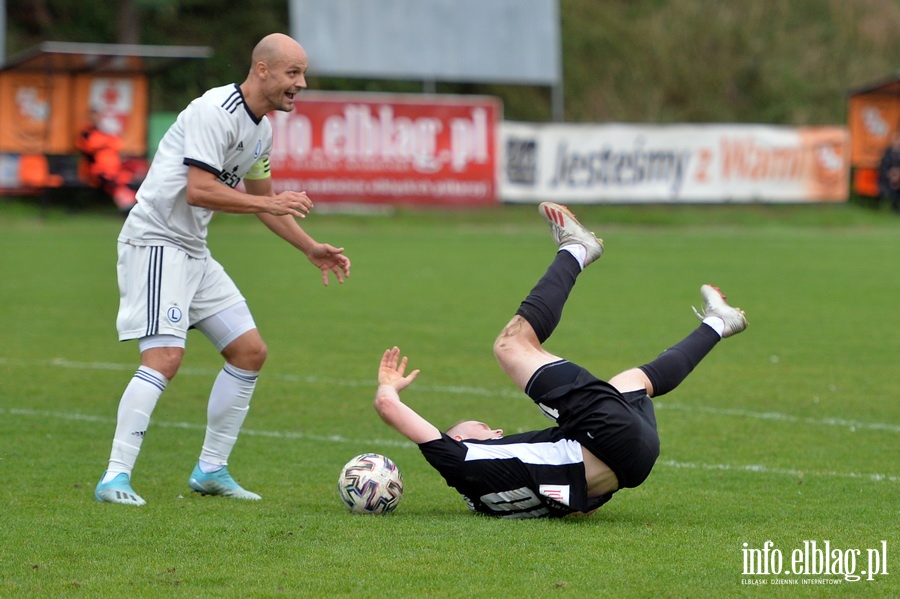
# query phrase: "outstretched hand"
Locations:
[[328, 258], [392, 370], [392, 379]]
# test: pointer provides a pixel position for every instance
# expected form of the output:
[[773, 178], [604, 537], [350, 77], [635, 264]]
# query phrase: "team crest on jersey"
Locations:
[[174, 314], [257, 151]]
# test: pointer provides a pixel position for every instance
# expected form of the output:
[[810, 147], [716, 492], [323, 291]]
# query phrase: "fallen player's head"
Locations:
[[473, 429]]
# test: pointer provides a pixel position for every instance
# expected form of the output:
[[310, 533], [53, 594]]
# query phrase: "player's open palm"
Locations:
[[328, 258], [392, 370]]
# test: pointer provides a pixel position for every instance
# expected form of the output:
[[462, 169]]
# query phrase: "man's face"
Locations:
[[286, 79]]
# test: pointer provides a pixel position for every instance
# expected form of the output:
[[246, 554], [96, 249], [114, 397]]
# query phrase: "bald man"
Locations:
[[169, 282]]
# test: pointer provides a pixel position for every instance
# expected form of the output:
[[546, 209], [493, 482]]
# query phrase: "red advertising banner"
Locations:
[[398, 149]]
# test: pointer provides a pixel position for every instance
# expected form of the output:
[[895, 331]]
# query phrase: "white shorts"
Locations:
[[163, 291]]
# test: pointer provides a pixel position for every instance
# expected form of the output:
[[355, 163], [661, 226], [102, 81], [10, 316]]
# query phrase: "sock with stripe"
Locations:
[[135, 408], [229, 403]]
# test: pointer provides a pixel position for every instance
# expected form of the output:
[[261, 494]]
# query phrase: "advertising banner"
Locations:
[[122, 105], [31, 120], [873, 118], [672, 163], [397, 149], [42, 113]]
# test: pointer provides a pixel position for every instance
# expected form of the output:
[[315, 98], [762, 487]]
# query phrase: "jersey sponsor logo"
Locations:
[[559, 493], [240, 147], [230, 179]]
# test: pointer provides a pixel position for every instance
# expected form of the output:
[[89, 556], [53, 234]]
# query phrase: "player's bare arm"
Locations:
[[206, 191], [392, 379], [325, 257]]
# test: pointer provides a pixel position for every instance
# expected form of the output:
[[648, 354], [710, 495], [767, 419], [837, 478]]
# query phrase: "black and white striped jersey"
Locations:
[[216, 132], [536, 474]]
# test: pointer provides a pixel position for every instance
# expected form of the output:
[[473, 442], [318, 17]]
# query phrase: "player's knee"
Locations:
[[260, 354], [502, 346], [249, 355], [254, 356], [515, 337], [508, 349], [164, 360]]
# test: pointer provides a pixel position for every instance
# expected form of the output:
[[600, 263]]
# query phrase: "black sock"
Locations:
[[544, 305], [673, 365]]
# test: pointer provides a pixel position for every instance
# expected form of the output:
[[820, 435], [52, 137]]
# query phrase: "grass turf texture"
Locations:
[[788, 432]]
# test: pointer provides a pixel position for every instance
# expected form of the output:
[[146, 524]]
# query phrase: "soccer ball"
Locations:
[[370, 483]]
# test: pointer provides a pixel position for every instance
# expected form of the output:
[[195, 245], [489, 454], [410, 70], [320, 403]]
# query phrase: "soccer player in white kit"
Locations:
[[168, 282]]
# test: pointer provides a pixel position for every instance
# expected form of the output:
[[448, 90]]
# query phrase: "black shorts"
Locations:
[[618, 428]]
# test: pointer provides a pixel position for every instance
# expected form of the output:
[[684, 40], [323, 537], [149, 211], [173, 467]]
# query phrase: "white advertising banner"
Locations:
[[672, 163]]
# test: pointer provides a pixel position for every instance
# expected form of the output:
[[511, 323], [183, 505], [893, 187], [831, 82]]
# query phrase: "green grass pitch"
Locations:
[[789, 432]]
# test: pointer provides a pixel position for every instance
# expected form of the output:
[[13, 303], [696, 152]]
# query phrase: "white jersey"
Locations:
[[216, 132]]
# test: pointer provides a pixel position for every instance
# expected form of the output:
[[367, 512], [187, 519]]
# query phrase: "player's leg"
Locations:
[[150, 283], [234, 333], [518, 347], [229, 399], [673, 365], [132, 421]]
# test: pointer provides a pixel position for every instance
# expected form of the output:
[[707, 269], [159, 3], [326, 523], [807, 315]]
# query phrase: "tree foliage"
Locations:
[[766, 61]]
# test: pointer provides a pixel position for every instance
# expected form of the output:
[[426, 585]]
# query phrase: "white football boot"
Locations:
[[714, 305], [566, 230]]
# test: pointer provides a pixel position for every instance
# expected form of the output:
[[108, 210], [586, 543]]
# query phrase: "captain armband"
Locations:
[[259, 170]]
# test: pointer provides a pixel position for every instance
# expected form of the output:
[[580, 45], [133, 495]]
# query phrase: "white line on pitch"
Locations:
[[406, 444], [780, 417], [785, 471], [853, 425]]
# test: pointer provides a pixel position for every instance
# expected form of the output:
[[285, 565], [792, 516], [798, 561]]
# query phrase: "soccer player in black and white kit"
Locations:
[[168, 282], [605, 438]]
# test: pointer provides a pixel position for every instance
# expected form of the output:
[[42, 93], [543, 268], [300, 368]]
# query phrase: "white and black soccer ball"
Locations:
[[370, 483]]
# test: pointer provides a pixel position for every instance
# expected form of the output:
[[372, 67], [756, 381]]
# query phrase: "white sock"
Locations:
[[717, 324], [209, 468], [229, 403], [577, 250], [135, 408]]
